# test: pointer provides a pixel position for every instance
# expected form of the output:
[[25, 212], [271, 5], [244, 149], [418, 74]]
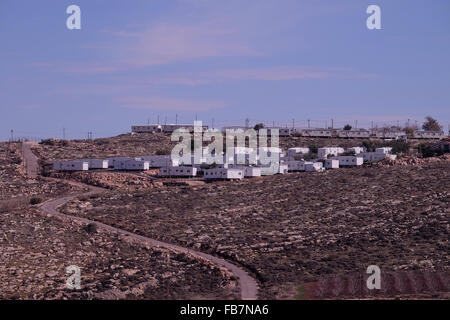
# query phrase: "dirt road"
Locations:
[[30, 160], [248, 286]]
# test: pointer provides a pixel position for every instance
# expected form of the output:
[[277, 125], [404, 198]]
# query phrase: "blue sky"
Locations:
[[228, 60]]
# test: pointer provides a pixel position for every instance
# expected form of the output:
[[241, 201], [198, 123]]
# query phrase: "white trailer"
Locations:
[[357, 150], [423, 134], [178, 171], [223, 174], [249, 172], [112, 160], [159, 161], [349, 161], [294, 152], [323, 153], [97, 163], [361, 133], [331, 164], [376, 156], [131, 165], [324, 133], [384, 150], [71, 165], [314, 167]]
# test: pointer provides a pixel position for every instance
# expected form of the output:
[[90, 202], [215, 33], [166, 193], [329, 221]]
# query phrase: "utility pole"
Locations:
[[212, 123], [293, 124], [165, 120], [372, 127], [195, 117], [332, 123], [148, 121], [308, 123], [247, 123], [158, 118], [176, 118], [12, 135], [356, 124], [64, 133]]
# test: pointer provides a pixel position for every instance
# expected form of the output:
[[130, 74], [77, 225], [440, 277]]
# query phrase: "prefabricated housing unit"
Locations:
[[159, 161], [282, 132], [349, 161], [323, 153], [249, 172], [223, 174], [314, 167], [331, 164], [71, 165], [131, 164], [385, 150], [356, 150], [296, 165], [325, 133], [97, 163], [360, 133], [275, 168], [178, 171], [376, 156], [293, 152], [113, 160], [423, 134]]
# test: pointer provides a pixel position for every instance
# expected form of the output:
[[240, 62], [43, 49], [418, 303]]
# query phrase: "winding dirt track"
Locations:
[[248, 286]]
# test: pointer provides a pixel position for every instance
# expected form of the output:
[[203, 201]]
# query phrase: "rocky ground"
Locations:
[[295, 229], [125, 145], [36, 250], [15, 185]]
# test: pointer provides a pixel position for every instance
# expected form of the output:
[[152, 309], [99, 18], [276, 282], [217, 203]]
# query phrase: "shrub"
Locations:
[[48, 142], [35, 200], [313, 149], [348, 127], [91, 228], [162, 152], [399, 146]]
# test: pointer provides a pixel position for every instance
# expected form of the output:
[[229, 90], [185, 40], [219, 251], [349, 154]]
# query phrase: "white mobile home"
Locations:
[[323, 153], [349, 161], [159, 161], [282, 132], [97, 163], [314, 167], [178, 171], [146, 129], [72, 165], [112, 160], [360, 133], [375, 156], [357, 150], [385, 150], [423, 134], [331, 164], [223, 174], [296, 165], [324, 133], [294, 152], [249, 172], [131, 164]]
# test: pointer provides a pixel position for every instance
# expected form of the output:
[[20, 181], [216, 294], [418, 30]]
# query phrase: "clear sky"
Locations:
[[266, 60]]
